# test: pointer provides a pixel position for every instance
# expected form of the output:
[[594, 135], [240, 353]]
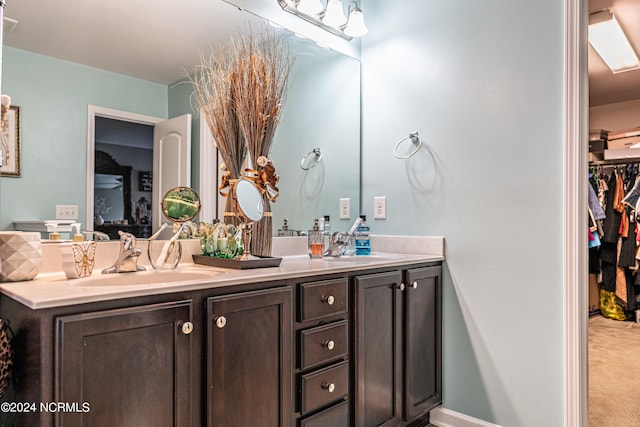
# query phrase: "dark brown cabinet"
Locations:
[[125, 367], [322, 345], [249, 359], [397, 346], [423, 341], [378, 345], [358, 349]]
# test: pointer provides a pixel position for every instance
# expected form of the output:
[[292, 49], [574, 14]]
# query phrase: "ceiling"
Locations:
[[161, 40], [156, 40]]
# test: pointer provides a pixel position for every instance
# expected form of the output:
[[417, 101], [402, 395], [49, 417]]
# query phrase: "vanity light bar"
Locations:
[[331, 19]]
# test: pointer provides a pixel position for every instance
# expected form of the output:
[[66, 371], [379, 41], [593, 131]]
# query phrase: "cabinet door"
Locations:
[[423, 341], [130, 366], [249, 359], [378, 349]]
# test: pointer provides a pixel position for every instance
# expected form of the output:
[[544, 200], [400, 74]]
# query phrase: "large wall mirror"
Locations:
[[107, 55]]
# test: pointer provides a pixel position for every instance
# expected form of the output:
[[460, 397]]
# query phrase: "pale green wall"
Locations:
[[483, 85], [53, 96]]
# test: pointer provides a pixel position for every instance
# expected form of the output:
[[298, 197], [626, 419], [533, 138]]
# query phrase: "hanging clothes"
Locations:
[[613, 198]]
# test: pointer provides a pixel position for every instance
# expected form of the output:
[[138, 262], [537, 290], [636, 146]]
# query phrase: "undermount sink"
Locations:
[[149, 277]]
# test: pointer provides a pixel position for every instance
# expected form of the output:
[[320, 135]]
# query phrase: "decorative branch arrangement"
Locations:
[[241, 91]]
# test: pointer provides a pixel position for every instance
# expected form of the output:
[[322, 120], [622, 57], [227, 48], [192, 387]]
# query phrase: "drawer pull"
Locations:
[[186, 327], [329, 300], [330, 387], [330, 344], [414, 285], [221, 322], [401, 287]]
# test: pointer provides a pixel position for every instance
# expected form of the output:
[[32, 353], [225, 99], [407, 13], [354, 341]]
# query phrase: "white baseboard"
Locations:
[[443, 417]]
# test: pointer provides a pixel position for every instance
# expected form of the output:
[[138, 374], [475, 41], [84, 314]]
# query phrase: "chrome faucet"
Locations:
[[128, 258], [339, 243]]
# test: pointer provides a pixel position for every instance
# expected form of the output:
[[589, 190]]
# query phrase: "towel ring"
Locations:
[[415, 138], [311, 159]]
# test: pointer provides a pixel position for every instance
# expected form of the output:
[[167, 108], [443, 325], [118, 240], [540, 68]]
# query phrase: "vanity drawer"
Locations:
[[336, 416], [322, 387], [323, 299], [323, 343]]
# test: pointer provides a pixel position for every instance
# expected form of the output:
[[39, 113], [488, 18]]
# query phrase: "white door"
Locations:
[[171, 161]]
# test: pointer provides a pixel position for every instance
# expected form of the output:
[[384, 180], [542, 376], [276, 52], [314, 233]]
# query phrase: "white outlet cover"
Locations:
[[380, 207]]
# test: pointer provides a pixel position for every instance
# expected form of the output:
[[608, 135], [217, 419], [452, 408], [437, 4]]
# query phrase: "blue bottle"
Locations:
[[363, 241]]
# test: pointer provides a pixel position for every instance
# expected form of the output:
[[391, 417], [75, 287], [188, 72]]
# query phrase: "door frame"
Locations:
[[94, 111], [575, 254]]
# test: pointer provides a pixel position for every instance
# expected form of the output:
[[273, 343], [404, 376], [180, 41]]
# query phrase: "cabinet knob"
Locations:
[[186, 327], [414, 285], [329, 300], [330, 344], [330, 387], [221, 321], [401, 286]]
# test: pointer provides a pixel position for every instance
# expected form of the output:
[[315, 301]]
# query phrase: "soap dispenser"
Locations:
[[316, 241], [77, 237], [284, 231], [54, 235]]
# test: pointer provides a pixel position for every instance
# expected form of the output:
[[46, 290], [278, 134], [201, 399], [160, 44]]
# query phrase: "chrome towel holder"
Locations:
[[311, 159], [415, 139]]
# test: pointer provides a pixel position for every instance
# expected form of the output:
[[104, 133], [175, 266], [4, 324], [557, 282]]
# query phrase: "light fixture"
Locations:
[[334, 14], [355, 27], [332, 18], [608, 39], [310, 7]]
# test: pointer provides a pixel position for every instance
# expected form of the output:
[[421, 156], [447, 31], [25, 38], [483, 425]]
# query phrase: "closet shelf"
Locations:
[[612, 157]]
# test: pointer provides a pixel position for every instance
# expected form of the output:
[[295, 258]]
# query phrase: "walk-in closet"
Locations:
[[614, 227]]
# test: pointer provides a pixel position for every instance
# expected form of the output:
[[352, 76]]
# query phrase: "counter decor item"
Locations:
[[221, 240], [241, 92], [226, 241], [20, 255], [78, 259], [180, 205]]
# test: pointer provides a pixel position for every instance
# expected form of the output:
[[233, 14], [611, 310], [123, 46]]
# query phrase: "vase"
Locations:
[[20, 255]]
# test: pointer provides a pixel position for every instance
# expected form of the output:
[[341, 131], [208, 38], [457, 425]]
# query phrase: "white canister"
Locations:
[[20, 255], [78, 259]]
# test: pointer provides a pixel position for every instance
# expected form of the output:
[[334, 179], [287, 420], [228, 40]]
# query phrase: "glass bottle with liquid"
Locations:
[[316, 241]]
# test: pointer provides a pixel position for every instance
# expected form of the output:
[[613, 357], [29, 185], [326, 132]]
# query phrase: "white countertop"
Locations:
[[54, 289]]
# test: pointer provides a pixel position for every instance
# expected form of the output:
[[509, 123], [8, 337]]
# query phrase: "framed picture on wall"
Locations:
[[144, 181], [10, 144]]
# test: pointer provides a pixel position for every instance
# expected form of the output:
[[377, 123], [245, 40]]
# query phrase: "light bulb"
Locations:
[[355, 26], [310, 7], [334, 15]]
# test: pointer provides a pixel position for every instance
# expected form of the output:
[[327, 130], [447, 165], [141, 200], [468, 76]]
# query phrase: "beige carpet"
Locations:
[[614, 373]]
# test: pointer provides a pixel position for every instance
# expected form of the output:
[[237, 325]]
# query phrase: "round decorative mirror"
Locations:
[[249, 201], [181, 204]]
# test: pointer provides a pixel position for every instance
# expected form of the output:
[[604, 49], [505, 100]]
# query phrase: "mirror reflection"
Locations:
[[54, 90], [249, 201], [181, 204]]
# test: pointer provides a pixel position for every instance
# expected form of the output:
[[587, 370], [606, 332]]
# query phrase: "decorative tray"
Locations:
[[253, 262]]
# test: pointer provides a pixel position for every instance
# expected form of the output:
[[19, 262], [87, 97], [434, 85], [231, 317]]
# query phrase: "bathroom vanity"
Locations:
[[353, 341]]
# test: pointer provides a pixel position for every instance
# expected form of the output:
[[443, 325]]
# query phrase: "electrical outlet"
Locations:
[[345, 208], [380, 207], [66, 211]]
